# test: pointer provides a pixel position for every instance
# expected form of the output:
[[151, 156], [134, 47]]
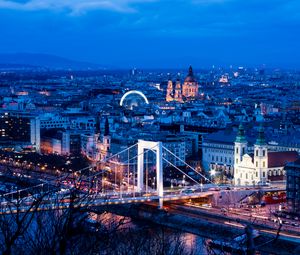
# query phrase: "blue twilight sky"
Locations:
[[156, 33]]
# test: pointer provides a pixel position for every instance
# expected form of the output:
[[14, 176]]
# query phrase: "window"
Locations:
[[246, 176], [237, 161], [264, 174], [256, 164], [256, 153], [264, 153], [256, 174], [243, 151], [264, 164], [237, 150]]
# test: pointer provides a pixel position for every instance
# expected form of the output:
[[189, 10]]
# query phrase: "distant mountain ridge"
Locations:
[[44, 61]]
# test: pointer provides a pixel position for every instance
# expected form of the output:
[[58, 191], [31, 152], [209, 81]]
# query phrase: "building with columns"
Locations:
[[170, 94], [190, 86], [178, 92], [261, 165], [189, 90], [218, 148]]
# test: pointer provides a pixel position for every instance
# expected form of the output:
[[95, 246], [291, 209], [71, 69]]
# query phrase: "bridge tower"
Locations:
[[156, 147]]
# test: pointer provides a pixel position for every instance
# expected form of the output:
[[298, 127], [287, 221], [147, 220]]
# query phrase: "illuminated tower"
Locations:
[[178, 94], [240, 149], [169, 96], [97, 127], [106, 137], [261, 156], [104, 143], [97, 140], [240, 145], [190, 86]]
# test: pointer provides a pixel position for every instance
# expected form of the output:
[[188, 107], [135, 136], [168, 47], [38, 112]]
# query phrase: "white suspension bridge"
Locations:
[[112, 183]]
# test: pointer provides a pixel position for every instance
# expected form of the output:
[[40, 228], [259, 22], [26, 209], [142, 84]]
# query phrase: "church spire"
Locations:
[[178, 93], [261, 136], [191, 71], [106, 128], [241, 138], [169, 96], [97, 129]]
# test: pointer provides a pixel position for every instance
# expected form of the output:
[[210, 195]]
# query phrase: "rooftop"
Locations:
[[281, 158], [190, 77]]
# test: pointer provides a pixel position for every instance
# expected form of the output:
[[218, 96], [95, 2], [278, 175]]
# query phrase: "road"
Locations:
[[236, 221]]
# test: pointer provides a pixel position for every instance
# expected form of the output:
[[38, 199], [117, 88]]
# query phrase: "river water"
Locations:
[[155, 236]]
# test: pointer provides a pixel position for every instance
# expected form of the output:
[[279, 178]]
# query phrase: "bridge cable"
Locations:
[[207, 179]]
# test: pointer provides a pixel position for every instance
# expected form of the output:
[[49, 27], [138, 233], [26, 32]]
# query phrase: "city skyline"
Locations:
[[150, 127], [150, 34]]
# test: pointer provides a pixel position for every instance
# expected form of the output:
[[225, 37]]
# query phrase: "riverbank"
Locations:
[[208, 226]]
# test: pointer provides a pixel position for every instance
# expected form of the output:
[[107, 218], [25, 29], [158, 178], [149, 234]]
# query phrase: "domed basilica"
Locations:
[[185, 92]]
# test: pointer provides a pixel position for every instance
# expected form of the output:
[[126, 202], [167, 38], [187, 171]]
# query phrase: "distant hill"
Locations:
[[44, 61]]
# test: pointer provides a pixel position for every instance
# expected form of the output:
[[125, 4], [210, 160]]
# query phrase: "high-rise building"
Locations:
[[20, 127], [293, 186]]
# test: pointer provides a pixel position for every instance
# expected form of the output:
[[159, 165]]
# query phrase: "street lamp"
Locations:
[[103, 184], [153, 183], [212, 174], [183, 181]]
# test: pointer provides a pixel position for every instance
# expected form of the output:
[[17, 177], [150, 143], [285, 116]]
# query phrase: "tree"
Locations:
[[16, 217], [46, 221]]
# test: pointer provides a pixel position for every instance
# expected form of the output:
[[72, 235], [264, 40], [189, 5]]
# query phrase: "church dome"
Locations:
[[190, 77]]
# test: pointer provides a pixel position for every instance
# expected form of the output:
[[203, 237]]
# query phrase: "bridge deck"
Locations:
[[92, 201]]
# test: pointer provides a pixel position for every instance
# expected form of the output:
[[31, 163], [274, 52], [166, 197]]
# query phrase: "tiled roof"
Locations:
[[281, 158]]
